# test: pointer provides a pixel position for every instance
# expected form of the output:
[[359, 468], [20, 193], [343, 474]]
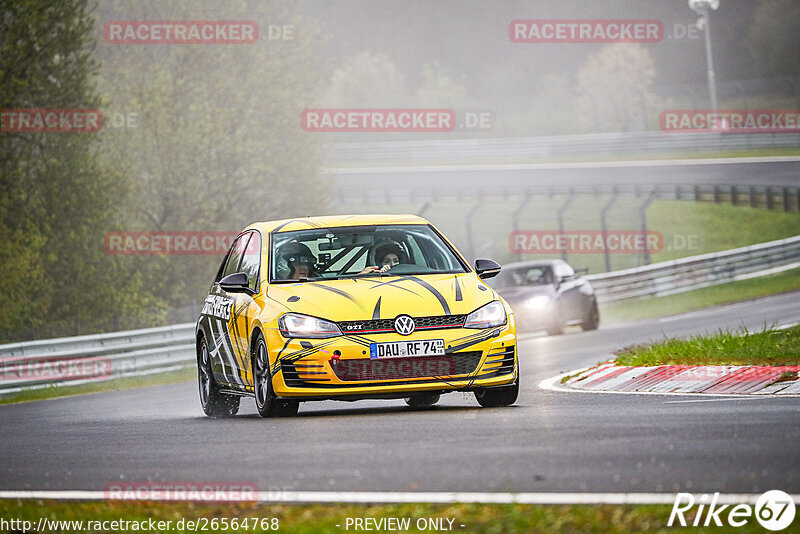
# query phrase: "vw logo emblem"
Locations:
[[404, 325]]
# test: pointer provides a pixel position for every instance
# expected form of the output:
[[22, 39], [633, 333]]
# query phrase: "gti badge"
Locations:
[[404, 325]]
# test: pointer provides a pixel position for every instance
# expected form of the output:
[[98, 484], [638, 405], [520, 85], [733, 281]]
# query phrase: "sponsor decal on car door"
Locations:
[[228, 316], [245, 309]]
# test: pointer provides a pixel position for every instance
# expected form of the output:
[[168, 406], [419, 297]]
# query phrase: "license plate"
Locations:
[[400, 349]]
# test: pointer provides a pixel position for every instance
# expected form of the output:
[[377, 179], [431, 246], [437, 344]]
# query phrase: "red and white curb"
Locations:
[[609, 377]]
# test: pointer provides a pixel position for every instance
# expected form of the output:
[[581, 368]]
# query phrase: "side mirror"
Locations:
[[486, 268], [236, 283], [568, 278]]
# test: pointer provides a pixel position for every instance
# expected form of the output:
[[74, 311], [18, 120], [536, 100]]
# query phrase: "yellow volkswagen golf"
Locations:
[[348, 308]]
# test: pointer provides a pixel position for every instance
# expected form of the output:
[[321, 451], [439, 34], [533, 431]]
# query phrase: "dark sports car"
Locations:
[[548, 295]]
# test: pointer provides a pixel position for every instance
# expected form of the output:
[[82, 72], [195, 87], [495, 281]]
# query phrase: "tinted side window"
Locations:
[[251, 260], [232, 263]]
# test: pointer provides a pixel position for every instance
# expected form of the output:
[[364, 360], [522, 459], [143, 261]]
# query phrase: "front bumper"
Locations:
[[340, 367]]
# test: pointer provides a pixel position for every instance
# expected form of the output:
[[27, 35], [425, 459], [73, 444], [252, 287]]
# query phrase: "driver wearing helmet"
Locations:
[[295, 261]]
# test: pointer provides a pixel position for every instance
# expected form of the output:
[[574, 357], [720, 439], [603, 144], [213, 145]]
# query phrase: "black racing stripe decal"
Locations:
[[246, 370], [356, 340], [458, 289], [361, 340], [235, 366], [376, 313], [284, 347], [391, 282], [471, 336], [434, 291], [302, 353], [344, 294], [238, 355], [240, 310], [483, 337], [278, 229], [304, 221], [297, 355], [223, 347]]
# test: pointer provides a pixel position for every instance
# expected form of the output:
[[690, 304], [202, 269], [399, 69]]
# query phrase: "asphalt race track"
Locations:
[[549, 441], [739, 172]]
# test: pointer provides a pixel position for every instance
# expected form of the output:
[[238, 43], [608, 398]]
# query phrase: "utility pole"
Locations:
[[702, 7]]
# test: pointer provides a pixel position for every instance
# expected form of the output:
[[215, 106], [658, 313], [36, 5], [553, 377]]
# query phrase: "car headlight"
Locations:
[[492, 314], [539, 302], [298, 325]]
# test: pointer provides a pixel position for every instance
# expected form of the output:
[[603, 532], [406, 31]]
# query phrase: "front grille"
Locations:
[[458, 363], [377, 326]]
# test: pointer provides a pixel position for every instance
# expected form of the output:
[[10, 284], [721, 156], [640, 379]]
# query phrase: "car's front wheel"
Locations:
[[555, 325], [496, 397], [266, 402], [214, 402], [422, 400], [592, 318]]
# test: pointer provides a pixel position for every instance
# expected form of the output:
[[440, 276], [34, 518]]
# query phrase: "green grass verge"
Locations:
[[700, 298], [716, 227], [97, 387], [318, 519], [768, 347]]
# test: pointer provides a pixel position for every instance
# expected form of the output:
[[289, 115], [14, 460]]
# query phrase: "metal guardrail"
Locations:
[[510, 149], [785, 198], [695, 272], [44, 363], [82, 359]]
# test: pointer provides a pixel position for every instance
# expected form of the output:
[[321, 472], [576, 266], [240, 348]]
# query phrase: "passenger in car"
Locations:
[[389, 255]]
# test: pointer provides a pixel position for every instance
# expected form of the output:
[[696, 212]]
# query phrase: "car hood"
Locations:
[[373, 297]]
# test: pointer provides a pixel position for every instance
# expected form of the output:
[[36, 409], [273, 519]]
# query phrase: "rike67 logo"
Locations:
[[774, 510]]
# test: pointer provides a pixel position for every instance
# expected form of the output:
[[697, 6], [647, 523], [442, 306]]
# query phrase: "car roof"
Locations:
[[334, 221]]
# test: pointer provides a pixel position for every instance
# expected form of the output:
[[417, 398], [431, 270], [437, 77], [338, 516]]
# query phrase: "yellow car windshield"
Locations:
[[352, 251]]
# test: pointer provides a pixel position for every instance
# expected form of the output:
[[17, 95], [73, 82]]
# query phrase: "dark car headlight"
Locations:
[[492, 314], [299, 325]]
